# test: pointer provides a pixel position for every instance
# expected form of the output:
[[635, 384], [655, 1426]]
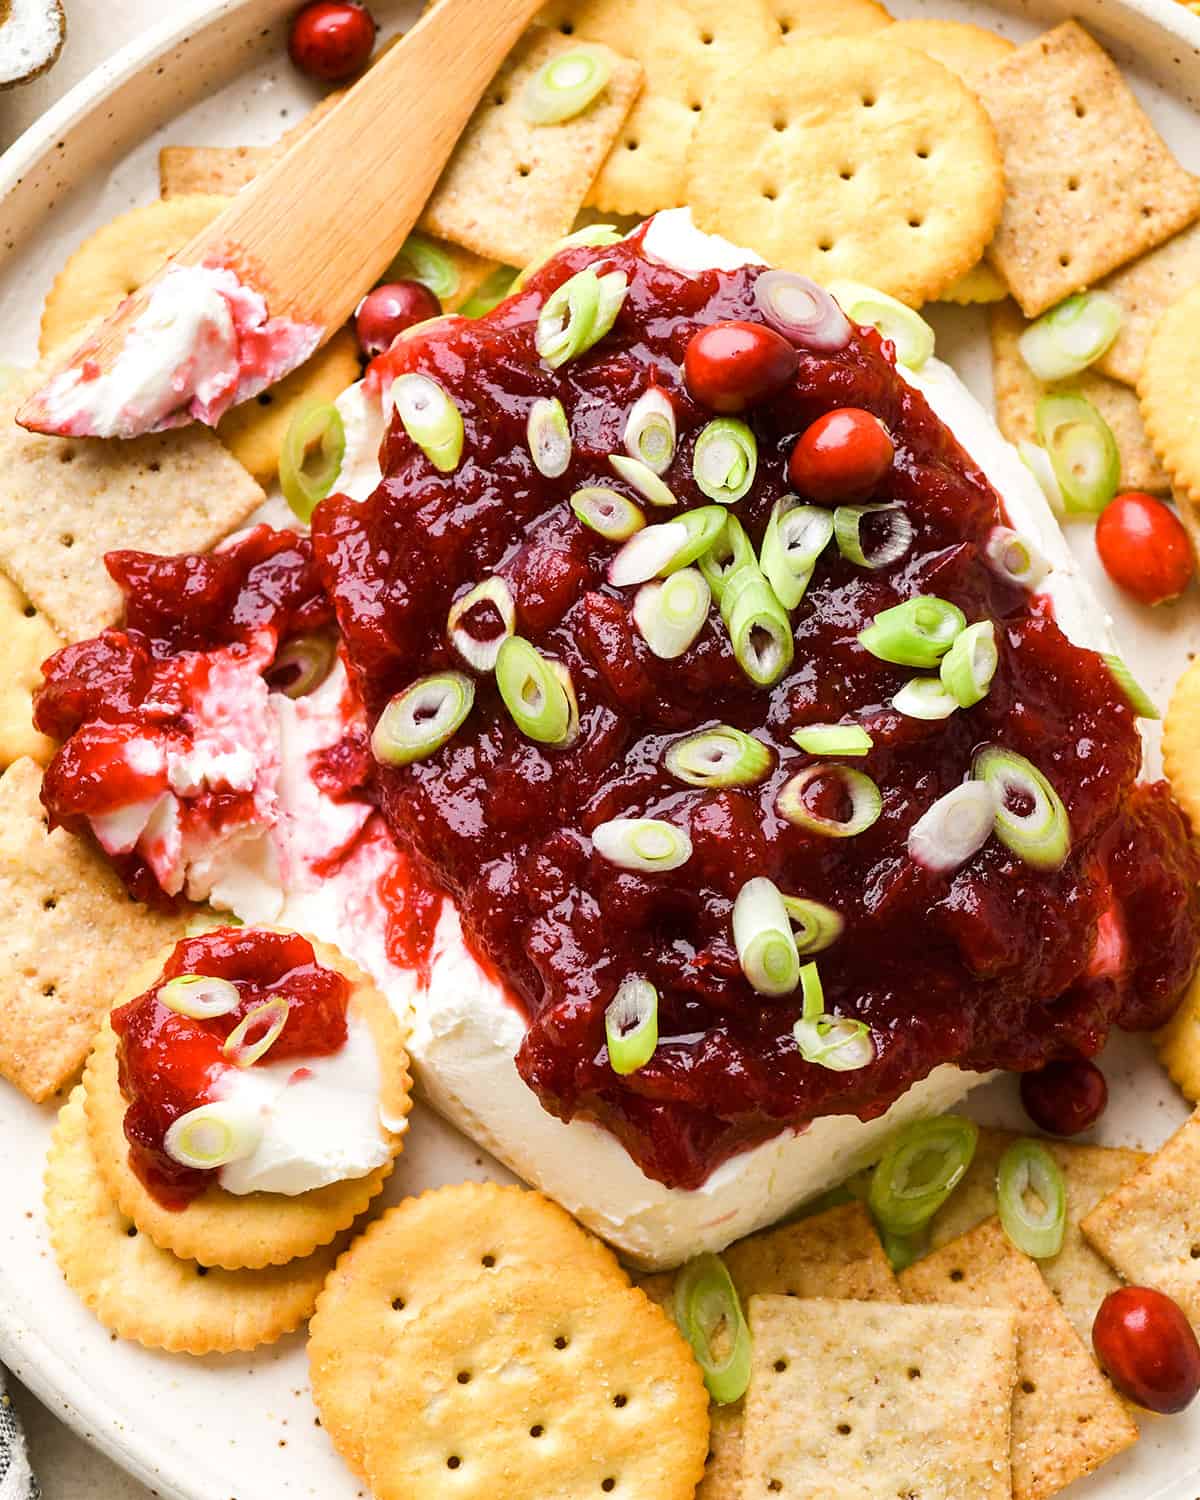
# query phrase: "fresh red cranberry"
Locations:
[[389, 310], [729, 366], [332, 39], [1144, 548], [841, 457], [1066, 1097], [1145, 1342]]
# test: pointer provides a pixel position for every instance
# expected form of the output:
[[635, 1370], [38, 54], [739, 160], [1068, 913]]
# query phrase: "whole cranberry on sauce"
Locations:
[[1066, 1097], [841, 457], [729, 366], [332, 39], [1144, 548], [1145, 1342], [389, 310]]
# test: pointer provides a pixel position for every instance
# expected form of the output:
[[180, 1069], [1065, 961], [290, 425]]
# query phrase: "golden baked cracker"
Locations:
[[28, 641], [1181, 735], [511, 187], [1149, 1228], [1145, 289], [227, 169], [1167, 394], [853, 159], [1017, 391], [798, 20], [551, 1385], [981, 283], [870, 1401], [143, 1293], [1067, 1419], [690, 47], [1091, 183], [408, 1261], [68, 933], [65, 502], [251, 1230], [965, 49]]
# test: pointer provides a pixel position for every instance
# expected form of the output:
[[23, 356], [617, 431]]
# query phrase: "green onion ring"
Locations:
[[431, 419], [1014, 558], [908, 331], [1132, 691], [866, 800], [599, 236], [422, 259], [970, 664], [1071, 336], [833, 739], [650, 430], [671, 614], [301, 665], [762, 934], [847, 528], [1025, 1168], [729, 554], [647, 553], [1041, 836], [477, 653], [1037, 461], [564, 86], [578, 315], [563, 677], [1082, 451], [719, 757], [534, 694], [549, 437], [631, 1026], [795, 537], [903, 1250], [650, 845], [607, 512], [709, 1314], [924, 698], [643, 479], [921, 1167], [212, 1136], [955, 828], [199, 996], [237, 1046], [834, 1042], [725, 460], [815, 926], [760, 632], [311, 456], [423, 718], [917, 633]]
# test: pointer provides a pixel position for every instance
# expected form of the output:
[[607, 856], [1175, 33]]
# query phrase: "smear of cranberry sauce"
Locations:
[[987, 966]]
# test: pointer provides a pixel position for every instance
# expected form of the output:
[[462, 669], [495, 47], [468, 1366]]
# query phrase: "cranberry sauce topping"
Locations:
[[170, 1063], [994, 964]]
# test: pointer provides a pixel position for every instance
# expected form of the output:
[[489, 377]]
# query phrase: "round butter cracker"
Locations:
[[146, 1294], [1167, 392], [251, 1230], [965, 49], [851, 158], [801, 20]]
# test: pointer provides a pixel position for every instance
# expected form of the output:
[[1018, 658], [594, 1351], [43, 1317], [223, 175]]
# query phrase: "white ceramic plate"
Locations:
[[230, 1428]]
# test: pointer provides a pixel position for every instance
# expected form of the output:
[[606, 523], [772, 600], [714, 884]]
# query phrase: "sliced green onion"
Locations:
[[301, 665], [422, 259], [598, 235], [650, 430], [903, 1250], [1037, 461], [1135, 695], [955, 828], [895, 542], [431, 419], [563, 677], [795, 537], [199, 996], [908, 331], [421, 719], [833, 1042], [921, 1167], [607, 512], [647, 483], [725, 460], [758, 625], [718, 757], [648, 844], [924, 698], [549, 437], [578, 314], [861, 799], [631, 1026], [709, 1316], [311, 456], [670, 615], [1031, 820], [917, 633], [491, 598], [833, 739], [762, 933], [815, 926], [648, 553], [212, 1136], [729, 554], [1014, 558], [1082, 451], [268, 1021], [1071, 336], [970, 664], [207, 920], [1028, 1171], [564, 86], [533, 692], [489, 293]]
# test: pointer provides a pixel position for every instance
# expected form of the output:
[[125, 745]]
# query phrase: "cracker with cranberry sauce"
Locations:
[[965, 49], [555, 1384], [65, 502], [854, 158], [146, 1294], [1067, 1419], [68, 933], [1167, 388], [1017, 392], [1145, 289], [1148, 1229], [1091, 184], [247, 1231], [872, 1401], [28, 641]]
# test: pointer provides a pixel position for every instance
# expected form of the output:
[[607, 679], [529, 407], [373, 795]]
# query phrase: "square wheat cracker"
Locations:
[[71, 935], [511, 187], [1067, 1419], [867, 1401], [1145, 289], [1091, 184], [28, 641], [65, 502], [1149, 1228], [1017, 391]]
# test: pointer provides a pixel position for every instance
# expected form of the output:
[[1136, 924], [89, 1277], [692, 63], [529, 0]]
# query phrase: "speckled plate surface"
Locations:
[[233, 1428]]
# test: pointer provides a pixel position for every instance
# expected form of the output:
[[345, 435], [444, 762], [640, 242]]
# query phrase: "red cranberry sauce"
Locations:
[[988, 966], [170, 1064]]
